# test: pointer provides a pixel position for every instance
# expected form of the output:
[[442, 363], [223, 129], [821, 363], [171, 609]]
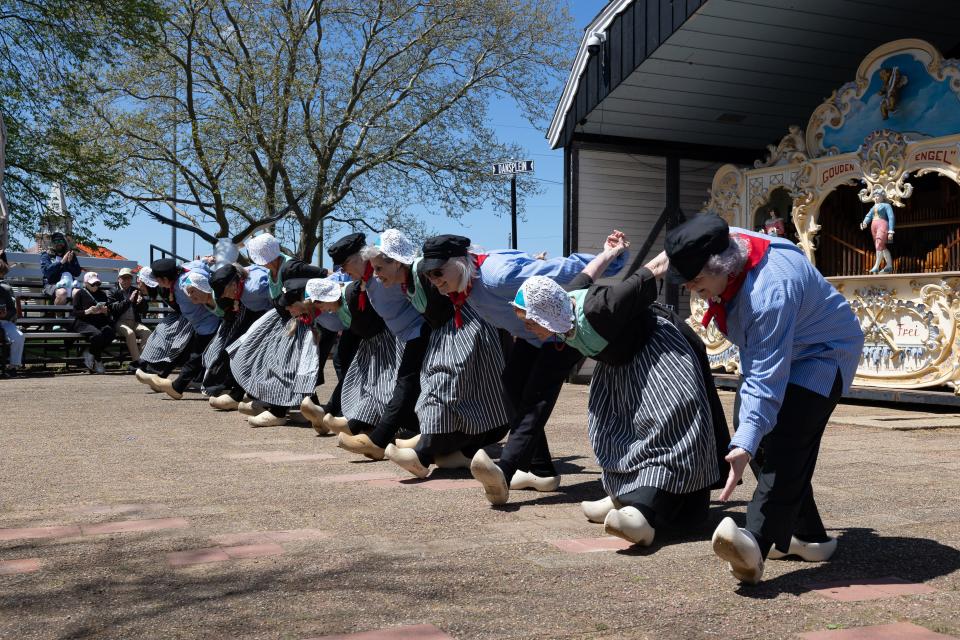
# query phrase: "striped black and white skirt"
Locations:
[[368, 385], [460, 385], [216, 361], [168, 340], [275, 368], [649, 420]]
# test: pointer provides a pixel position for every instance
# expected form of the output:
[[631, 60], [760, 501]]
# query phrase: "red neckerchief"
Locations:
[[236, 301], [408, 282], [308, 318], [367, 274], [459, 298], [718, 310]]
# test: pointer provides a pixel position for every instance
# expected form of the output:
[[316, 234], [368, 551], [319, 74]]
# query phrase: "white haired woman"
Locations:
[[462, 405], [369, 435], [799, 345], [650, 421], [534, 371], [275, 367]]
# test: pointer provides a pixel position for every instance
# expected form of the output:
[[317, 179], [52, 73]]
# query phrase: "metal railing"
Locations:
[[157, 253]]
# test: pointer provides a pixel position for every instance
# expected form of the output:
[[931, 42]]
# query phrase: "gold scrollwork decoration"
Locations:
[[792, 149], [883, 161]]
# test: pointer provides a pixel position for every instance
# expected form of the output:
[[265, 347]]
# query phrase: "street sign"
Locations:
[[517, 166]]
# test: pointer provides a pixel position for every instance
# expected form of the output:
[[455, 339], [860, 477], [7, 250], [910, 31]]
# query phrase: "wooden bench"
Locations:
[[48, 327]]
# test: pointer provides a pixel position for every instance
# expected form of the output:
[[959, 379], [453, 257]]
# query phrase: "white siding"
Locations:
[[627, 192]]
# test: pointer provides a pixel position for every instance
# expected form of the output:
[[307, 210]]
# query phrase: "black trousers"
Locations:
[[219, 378], [342, 357], [783, 505], [441, 444], [327, 341], [191, 361], [98, 337], [663, 508], [532, 378], [400, 410]]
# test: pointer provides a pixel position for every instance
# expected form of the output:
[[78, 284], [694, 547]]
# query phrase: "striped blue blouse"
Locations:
[[792, 327]]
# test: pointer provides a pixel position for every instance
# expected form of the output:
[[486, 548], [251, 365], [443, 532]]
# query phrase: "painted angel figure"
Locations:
[[891, 82], [881, 220]]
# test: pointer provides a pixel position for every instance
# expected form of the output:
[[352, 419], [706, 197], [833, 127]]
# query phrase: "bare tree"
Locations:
[[372, 107]]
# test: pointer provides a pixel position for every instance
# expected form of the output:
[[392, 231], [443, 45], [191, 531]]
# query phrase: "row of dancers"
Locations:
[[444, 349]]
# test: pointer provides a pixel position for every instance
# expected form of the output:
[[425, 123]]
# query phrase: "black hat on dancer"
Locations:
[[438, 249], [690, 245], [165, 268], [345, 247], [293, 291], [221, 279]]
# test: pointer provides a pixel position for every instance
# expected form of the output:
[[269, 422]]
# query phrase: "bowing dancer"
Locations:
[[275, 361], [374, 355], [462, 406], [368, 432], [534, 372], [172, 335], [242, 295], [367, 354], [194, 298], [332, 332], [650, 422], [800, 345]]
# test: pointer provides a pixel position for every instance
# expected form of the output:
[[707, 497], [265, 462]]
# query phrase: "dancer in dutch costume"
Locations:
[[799, 345], [374, 357], [368, 432], [242, 295], [534, 371], [332, 332], [171, 335], [650, 422], [276, 367], [192, 295], [462, 405]]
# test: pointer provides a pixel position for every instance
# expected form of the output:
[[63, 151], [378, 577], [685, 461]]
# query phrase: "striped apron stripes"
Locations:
[[460, 385], [215, 356], [168, 340], [649, 420], [273, 367], [368, 385]]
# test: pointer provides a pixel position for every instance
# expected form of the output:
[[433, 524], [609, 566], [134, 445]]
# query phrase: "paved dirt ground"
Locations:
[[88, 455]]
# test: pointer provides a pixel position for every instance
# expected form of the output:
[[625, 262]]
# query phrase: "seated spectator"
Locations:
[[92, 318], [127, 306], [61, 271], [8, 327]]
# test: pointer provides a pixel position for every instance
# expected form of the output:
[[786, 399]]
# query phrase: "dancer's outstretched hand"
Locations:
[[738, 459], [659, 265], [616, 243]]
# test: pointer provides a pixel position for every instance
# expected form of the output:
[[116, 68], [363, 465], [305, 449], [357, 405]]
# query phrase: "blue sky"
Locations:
[[542, 229]]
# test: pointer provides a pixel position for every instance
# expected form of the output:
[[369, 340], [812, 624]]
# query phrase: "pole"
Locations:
[[513, 211], [173, 196], [672, 293]]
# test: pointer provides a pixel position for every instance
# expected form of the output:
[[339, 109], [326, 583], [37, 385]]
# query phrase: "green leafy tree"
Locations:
[[368, 110], [50, 50]]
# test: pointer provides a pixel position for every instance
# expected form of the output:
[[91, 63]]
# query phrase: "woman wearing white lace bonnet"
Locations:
[[649, 421]]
